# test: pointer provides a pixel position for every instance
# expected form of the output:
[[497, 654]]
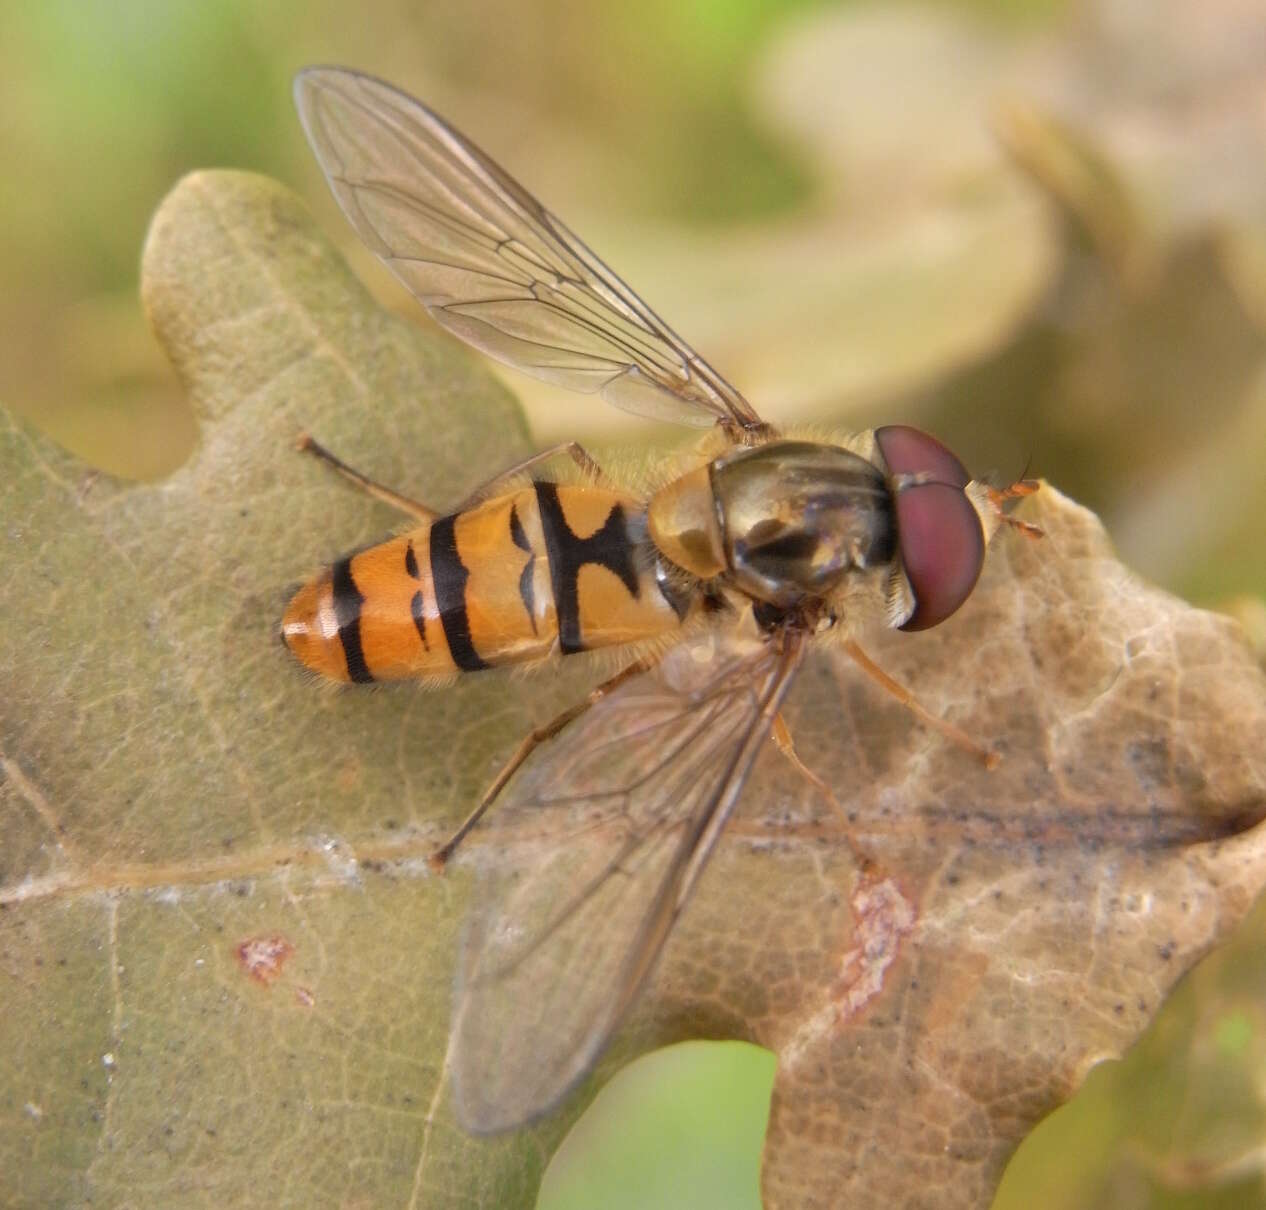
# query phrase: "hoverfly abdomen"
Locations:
[[546, 569]]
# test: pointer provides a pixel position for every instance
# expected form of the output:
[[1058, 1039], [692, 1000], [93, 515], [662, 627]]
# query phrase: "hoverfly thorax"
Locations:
[[783, 523], [797, 517]]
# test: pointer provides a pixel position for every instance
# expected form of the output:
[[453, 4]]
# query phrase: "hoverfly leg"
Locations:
[[574, 450], [534, 738], [781, 736], [307, 445], [998, 496], [987, 756]]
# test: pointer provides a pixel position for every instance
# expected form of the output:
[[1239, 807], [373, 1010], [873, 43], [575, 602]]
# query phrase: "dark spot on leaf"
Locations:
[[1151, 761]]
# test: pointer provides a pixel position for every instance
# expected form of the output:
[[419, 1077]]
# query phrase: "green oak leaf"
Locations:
[[226, 964]]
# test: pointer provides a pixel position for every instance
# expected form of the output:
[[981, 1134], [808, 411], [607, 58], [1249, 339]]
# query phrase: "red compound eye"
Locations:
[[942, 544]]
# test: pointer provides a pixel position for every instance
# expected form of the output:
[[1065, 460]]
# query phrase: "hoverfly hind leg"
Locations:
[[534, 738], [588, 465], [305, 444]]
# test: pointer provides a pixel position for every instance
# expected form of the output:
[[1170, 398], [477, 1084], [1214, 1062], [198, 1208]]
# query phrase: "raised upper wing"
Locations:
[[584, 869], [490, 263]]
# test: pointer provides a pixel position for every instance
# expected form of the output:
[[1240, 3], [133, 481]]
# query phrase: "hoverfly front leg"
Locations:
[[537, 736], [1017, 491], [307, 445], [574, 450], [987, 756]]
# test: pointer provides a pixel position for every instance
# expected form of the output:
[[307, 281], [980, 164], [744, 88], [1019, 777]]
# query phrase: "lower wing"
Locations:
[[588, 863]]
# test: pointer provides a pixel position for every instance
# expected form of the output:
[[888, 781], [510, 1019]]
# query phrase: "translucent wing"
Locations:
[[490, 263], [587, 865]]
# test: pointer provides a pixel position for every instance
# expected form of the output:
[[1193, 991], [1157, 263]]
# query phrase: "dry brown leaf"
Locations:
[[226, 967]]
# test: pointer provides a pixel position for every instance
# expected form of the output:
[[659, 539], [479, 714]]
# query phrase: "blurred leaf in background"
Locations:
[[105, 105], [812, 195], [653, 1136]]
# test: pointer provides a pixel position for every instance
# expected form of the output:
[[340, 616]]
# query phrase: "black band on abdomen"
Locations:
[[448, 578], [608, 547], [347, 600]]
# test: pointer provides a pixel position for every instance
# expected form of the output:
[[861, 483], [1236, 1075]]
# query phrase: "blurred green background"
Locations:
[[1036, 227]]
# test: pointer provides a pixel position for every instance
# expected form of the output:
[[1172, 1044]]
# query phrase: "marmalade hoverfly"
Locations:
[[713, 581]]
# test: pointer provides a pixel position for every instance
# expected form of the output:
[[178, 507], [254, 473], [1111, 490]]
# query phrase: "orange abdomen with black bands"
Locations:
[[550, 568]]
